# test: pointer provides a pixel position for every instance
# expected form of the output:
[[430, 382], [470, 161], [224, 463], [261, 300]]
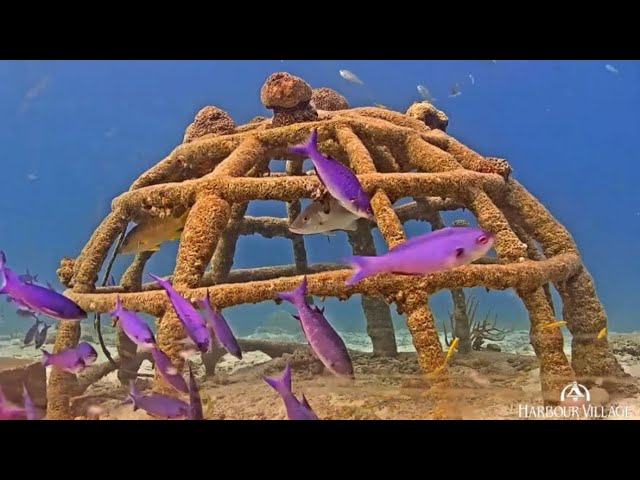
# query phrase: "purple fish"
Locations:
[[31, 333], [436, 251], [191, 320], [50, 287], [68, 360], [41, 336], [195, 402], [37, 298], [341, 183], [133, 326], [28, 404], [9, 411], [168, 370], [28, 278], [156, 405], [324, 340], [297, 409], [87, 353], [220, 328]]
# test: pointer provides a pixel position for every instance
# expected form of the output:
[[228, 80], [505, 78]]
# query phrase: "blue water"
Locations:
[[85, 130]]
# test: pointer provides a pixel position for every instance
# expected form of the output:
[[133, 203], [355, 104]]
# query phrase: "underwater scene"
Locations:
[[319, 240]]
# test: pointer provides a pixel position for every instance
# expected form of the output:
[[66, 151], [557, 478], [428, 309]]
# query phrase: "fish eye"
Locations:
[[305, 218], [482, 239]]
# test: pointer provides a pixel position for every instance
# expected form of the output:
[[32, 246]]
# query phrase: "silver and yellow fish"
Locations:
[[147, 236], [321, 217]]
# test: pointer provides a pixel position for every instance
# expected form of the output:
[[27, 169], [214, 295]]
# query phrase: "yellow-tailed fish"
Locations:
[[556, 324], [147, 236], [452, 347], [602, 333]]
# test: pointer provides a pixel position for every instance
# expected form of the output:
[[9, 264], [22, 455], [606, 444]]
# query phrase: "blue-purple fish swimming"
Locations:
[[87, 353], [37, 298], [220, 328], [195, 402], [323, 339], [41, 336], [31, 333], [29, 409], [68, 360], [133, 326], [168, 370], [156, 405], [436, 251], [341, 183], [297, 409], [191, 320]]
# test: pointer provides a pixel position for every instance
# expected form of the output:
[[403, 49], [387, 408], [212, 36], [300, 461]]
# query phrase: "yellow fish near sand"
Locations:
[[452, 347], [602, 333], [556, 324], [149, 235]]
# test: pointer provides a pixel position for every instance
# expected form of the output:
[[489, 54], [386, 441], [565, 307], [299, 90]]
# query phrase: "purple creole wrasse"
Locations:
[[37, 298], [341, 183], [41, 336], [68, 360], [31, 333], [9, 411], [87, 353], [324, 340], [191, 320], [195, 402], [29, 409], [133, 326], [435, 251], [156, 405], [169, 372], [220, 328], [28, 278], [297, 409]]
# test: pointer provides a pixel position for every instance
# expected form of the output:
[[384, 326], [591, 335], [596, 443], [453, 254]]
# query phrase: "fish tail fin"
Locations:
[[296, 296], [363, 266], [163, 283], [311, 146], [117, 309], [3, 275], [133, 394], [46, 358], [281, 384]]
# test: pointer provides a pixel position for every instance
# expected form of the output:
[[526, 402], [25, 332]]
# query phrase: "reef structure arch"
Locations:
[[220, 167]]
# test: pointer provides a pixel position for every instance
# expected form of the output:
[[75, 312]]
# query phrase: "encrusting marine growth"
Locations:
[[221, 167]]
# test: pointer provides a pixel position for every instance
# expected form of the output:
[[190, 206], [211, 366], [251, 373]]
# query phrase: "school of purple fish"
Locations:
[[205, 326]]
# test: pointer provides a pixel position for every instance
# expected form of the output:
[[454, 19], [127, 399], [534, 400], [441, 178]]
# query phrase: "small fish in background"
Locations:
[[611, 68], [111, 282], [556, 324], [379, 105], [473, 80], [455, 91], [24, 313], [9, 411], [87, 353], [31, 333], [314, 219], [220, 328], [341, 183], [452, 348], [297, 409], [28, 278], [41, 336], [431, 252], [425, 93], [351, 77], [29, 409], [156, 405], [191, 320], [602, 333], [327, 344], [37, 298], [147, 236], [32, 177], [50, 287], [195, 402], [168, 370], [68, 360], [133, 326]]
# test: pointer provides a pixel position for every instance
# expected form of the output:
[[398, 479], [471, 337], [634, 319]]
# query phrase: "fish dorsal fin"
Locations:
[[297, 317], [318, 309]]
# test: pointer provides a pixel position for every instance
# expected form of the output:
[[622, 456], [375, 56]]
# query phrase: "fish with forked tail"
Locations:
[[297, 409], [156, 405], [341, 183], [133, 326], [191, 320], [150, 234], [220, 328], [31, 333], [87, 353], [318, 218], [37, 298], [327, 344], [41, 336], [168, 370], [436, 251], [68, 360]]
